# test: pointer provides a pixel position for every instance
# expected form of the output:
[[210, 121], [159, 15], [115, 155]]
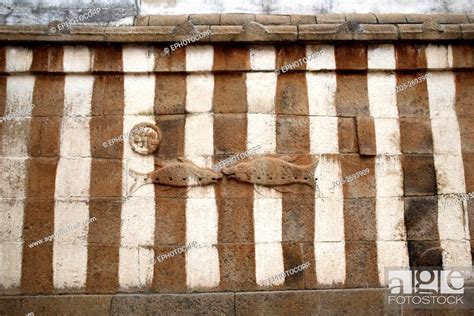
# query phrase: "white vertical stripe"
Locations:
[[199, 57], [381, 56], [76, 58], [72, 185], [325, 60], [392, 250], [453, 230], [139, 58], [267, 204], [18, 59], [138, 210], [321, 93], [329, 240], [13, 178], [262, 57], [202, 262], [437, 57]]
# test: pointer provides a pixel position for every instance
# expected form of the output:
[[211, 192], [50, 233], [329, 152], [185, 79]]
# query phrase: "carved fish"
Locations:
[[183, 173], [272, 171]]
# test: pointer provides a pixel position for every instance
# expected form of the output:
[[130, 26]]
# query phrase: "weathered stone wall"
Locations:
[[341, 109]]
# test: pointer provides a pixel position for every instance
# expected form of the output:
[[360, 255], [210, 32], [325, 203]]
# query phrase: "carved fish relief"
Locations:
[[272, 171], [183, 173]]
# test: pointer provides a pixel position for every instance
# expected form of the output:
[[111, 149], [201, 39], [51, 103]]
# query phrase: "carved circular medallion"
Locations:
[[145, 138]]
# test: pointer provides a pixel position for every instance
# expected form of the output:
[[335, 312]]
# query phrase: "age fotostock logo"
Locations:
[[427, 287]]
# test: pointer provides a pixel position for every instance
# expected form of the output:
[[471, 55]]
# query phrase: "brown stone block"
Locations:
[[292, 134], [361, 17], [292, 94], [347, 135], [106, 228], [108, 58], [205, 19], [141, 20], [235, 213], [175, 61], [170, 225], [2, 58], [391, 18], [410, 56], [180, 304], [463, 55], [353, 302], [468, 160], [236, 18], [466, 127], [310, 272], [416, 249], [464, 93], [170, 93], [44, 137], [360, 220], [38, 221], [102, 268], [298, 19], [108, 95], [103, 129], [286, 55], [41, 177], [237, 267], [298, 218], [413, 102], [293, 257], [421, 218], [366, 135], [426, 31], [168, 19], [106, 178], [415, 135], [361, 264], [231, 58], [230, 133], [47, 58], [230, 93], [66, 305], [352, 95], [419, 177], [169, 273], [330, 18], [37, 269], [48, 96], [172, 128], [274, 19], [351, 56], [363, 186], [467, 31]]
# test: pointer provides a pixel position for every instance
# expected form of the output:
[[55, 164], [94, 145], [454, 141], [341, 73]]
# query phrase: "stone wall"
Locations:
[[400, 110]]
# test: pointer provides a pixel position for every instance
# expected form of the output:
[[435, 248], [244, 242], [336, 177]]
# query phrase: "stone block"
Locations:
[[170, 96], [106, 178], [205, 19], [291, 94], [360, 219], [168, 20], [419, 175], [298, 19], [230, 133], [106, 228], [361, 264], [231, 58], [236, 18], [237, 264], [366, 135], [347, 134], [421, 218], [415, 135], [463, 55], [419, 32], [365, 18], [363, 186], [142, 20], [352, 95], [391, 18], [172, 128], [272, 19], [235, 213], [330, 18]]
